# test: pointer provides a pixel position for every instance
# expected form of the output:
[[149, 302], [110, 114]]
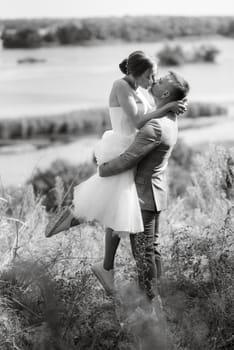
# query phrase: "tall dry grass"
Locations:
[[50, 300], [198, 241], [48, 297]]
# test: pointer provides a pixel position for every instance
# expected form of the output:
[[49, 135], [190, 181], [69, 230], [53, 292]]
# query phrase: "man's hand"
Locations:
[[185, 103], [178, 107]]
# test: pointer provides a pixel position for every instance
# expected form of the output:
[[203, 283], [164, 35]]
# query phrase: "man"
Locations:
[[149, 152]]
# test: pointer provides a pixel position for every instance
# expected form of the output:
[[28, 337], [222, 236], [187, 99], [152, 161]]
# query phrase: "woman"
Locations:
[[113, 201]]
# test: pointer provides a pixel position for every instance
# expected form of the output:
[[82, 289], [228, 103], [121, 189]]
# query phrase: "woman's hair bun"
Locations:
[[123, 66], [137, 63]]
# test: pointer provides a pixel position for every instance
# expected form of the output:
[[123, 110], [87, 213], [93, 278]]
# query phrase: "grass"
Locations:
[[44, 130], [202, 109], [56, 127], [50, 300], [200, 247]]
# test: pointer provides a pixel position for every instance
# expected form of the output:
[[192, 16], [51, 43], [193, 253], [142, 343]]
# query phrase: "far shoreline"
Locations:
[[121, 42], [54, 112]]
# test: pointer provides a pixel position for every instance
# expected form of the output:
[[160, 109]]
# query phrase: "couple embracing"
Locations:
[[129, 190]]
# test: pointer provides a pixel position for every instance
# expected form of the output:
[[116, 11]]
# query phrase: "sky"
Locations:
[[103, 8]]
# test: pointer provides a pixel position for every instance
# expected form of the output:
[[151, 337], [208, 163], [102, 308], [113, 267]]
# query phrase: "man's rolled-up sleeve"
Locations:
[[145, 141]]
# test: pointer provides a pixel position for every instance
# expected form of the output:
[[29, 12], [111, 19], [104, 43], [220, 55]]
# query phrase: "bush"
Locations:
[[50, 37], [23, 38], [71, 34], [56, 183], [205, 54], [180, 166], [171, 56], [177, 56], [200, 296]]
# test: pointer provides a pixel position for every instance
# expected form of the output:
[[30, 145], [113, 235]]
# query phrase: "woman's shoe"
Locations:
[[61, 222], [105, 277]]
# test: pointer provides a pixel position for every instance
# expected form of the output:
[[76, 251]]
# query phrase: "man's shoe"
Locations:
[[105, 277], [61, 222]]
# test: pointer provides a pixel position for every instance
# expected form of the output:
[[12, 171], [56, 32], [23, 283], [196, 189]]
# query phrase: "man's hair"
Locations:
[[180, 86]]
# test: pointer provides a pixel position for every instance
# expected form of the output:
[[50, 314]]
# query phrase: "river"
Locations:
[[81, 77]]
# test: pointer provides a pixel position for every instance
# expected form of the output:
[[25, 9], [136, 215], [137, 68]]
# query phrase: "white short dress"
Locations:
[[112, 200]]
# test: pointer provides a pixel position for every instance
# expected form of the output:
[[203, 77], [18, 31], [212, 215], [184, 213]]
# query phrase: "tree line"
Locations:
[[45, 32]]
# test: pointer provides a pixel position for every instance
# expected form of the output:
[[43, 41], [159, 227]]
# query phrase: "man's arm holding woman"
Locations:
[[148, 138]]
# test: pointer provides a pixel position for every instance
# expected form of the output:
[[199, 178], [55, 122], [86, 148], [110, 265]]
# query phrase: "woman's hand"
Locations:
[[178, 107]]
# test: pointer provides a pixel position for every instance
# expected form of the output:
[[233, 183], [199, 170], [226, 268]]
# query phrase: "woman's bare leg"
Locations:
[[104, 271], [111, 244]]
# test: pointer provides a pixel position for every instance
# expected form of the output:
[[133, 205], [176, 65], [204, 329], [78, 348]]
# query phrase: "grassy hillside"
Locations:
[[50, 300]]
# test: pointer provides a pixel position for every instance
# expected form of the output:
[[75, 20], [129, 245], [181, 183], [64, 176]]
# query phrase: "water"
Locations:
[[18, 166], [80, 77]]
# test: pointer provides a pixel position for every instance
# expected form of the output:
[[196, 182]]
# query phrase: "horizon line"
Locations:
[[114, 16]]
